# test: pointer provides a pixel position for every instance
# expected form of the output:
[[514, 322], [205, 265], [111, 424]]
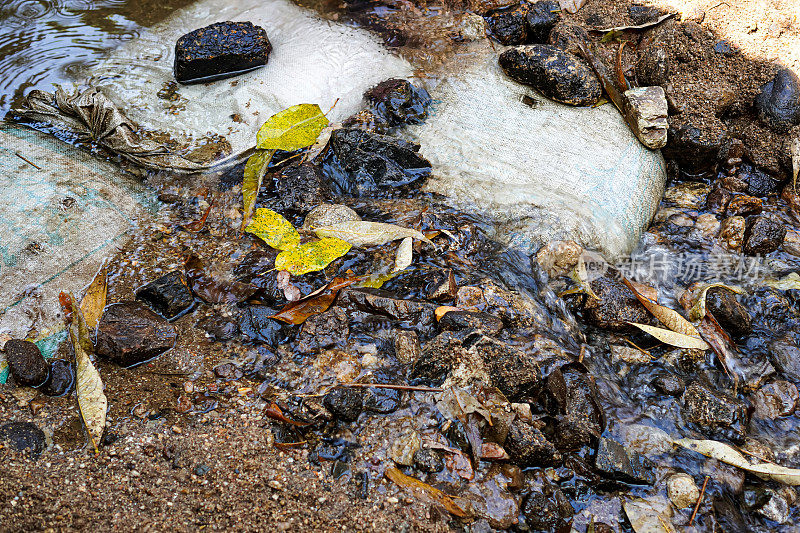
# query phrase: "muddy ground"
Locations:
[[188, 446]]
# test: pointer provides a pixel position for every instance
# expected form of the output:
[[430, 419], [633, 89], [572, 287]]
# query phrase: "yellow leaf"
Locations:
[[698, 310], [670, 318], [94, 300], [729, 455], [673, 338], [363, 233], [254, 171], [273, 229], [312, 256], [291, 129]]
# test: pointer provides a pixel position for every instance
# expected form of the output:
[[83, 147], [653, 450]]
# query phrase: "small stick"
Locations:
[[700, 499], [37, 167], [582, 354], [390, 386]]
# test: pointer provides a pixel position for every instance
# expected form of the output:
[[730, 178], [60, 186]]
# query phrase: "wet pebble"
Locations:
[[777, 508], [471, 321], [682, 491], [641, 14], [297, 189], [24, 437], [725, 48], [692, 146], [731, 232], [614, 461], [169, 295], [61, 379], [669, 384], [508, 25], [528, 446], [617, 306], [763, 234], [256, 324], [345, 403], [428, 460], [744, 205], [540, 19], [406, 347], [130, 334], [715, 413], [731, 315], [405, 447], [26, 363], [775, 400], [515, 372], [553, 72], [759, 183], [324, 330], [218, 328], [653, 68], [399, 101], [543, 513], [778, 103]]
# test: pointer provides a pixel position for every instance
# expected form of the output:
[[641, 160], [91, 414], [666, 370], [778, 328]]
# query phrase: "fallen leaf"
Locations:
[[273, 229], [729, 455], [669, 317], [571, 6], [644, 518], [274, 412], [363, 233], [315, 303], [376, 280], [197, 225], [322, 141], [443, 310], [254, 171], [644, 26], [698, 296], [457, 403], [94, 299], [795, 161], [92, 402], [291, 129], [312, 256], [791, 281], [405, 254], [673, 338], [726, 351], [425, 491], [211, 290]]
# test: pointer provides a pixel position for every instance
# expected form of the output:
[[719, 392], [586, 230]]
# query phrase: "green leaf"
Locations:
[[312, 256], [291, 129], [254, 171], [273, 229]]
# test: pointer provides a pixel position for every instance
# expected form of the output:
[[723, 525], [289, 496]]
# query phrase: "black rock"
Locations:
[[669, 384], [130, 334], [218, 327], [508, 25], [437, 358], [513, 371], [24, 437], [399, 102], [580, 419], [716, 414], [617, 306], [692, 147], [324, 330], [643, 14], [255, 323], [731, 315], [298, 189], [759, 183], [653, 67], [778, 103], [169, 295], [380, 400], [527, 446], [26, 363], [61, 380], [471, 321], [547, 513], [360, 163], [613, 461], [762, 235], [219, 51], [540, 19], [344, 403], [428, 460], [553, 72]]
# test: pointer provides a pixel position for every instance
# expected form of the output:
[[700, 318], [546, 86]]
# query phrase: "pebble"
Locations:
[[398, 102], [407, 347], [617, 306], [778, 103], [682, 491], [344, 403], [731, 232], [24, 437], [775, 400], [428, 460], [508, 25], [669, 384], [731, 315], [405, 447], [61, 379], [614, 461], [528, 446], [26, 363], [763, 235], [169, 295], [744, 205], [130, 334], [551, 71], [717, 414], [540, 19]]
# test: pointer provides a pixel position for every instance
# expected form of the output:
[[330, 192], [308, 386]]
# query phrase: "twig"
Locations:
[[700, 499], [34, 165], [582, 354], [390, 386]]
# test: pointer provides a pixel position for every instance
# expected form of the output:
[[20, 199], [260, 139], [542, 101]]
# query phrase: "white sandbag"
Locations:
[[312, 61], [544, 172], [58, 223]]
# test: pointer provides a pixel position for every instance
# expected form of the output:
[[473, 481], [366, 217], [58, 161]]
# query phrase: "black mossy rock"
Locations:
[[221, 50], [778, 103], [169, 295], [345, 403], [717, 415], [398, 101], [508, 25], [26, 363], [763, 235], [130, 334], [540, 19], [360, 163], [553, 72], [528, 446], [25, 437], [297, 189]]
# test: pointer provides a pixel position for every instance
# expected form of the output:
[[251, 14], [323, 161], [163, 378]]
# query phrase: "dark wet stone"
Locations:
[[399, 102], [26, 363], [540, 19], [615, 462], [169, 295], [744, 205], [508, 25], [725, 48], [513, 371], [130, 334], [731, 315], [763, 235], [368, 121], [640, 14], [716, 414], [324, 330], [61, 379], [551, 71], [428, 460], [407, 347], [579, 417], [219, 328], [775, 400], [298, 188], [384, 303], [718, 200], [442, 287], [568, 37], [220, 51], [547, 512], [24, 437], [527, 446], [202, 470], [345, 403], [692, 147], [669, 384], [457, 435], [617, 306], [653, 68], [772, 312], [383, 401], [471, 321], [778, 103], [255, 323], [360, 163], [437, 358], [228, 371], [785, 354], [759, 183]]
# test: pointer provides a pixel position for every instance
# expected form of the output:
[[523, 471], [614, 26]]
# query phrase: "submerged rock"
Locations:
[[26, 363], [219, 51], [548, 510], [255, 323], [471, 321], [617, 306], [298, 188], [399, 102], [716, 414], [527, 446], [513, 371], [24, 437], [345, 403], [763, 235], [169, 295], [778, 103], [775, 400], [61, 379], [682, 491], [508, 25], [324, 330], [428, 460], [669, 384], [731, 315], [130, 334], [614, 461], [551, 71]]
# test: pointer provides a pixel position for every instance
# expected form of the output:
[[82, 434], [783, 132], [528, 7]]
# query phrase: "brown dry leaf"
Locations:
[[723, 347], [94, 299], [276, 413], [729, 455], [425, 491], [698, 296], [442, 310], [673, 338], [669, 317], [315, 303]]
